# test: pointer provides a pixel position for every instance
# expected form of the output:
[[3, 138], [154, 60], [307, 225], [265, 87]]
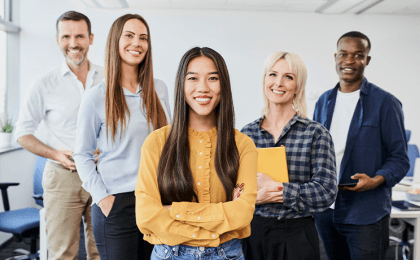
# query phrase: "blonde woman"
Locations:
[[117, 116], [283, 225]]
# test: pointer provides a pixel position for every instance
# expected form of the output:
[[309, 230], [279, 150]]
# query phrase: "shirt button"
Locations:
[[173, 249], [166, 251], [177, 215], [198, 183], [200, 153], [199, 167], [201, 141], [201, 248], [213, 235], [199, 218], [193, 235]]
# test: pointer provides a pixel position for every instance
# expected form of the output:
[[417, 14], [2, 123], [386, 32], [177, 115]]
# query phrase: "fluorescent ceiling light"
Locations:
[[367, 5], [106, 4], [338, 7]]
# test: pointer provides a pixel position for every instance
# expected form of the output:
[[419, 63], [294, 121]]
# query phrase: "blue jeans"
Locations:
[[228, 250], [352, 242]]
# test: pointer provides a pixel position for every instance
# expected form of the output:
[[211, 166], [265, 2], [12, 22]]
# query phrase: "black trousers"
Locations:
[[291, 239], [117, 236]]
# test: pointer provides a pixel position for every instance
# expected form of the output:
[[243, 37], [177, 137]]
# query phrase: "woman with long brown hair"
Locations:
[[117, 116], [196, 188]]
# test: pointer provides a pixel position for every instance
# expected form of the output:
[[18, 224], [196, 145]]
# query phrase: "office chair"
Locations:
[[413, 154], [22, 223], [38, 190], [398, 225]]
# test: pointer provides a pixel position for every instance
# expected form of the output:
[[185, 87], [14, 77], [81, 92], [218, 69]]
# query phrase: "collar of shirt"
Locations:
[[66, 69], [364, 89], [197, 134], [125, 91], [286, 128]]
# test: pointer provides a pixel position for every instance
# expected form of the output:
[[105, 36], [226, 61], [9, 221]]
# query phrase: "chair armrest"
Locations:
[[3, 187], [38, 197]]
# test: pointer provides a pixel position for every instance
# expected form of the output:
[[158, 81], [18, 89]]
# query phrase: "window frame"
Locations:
[[11, 95]]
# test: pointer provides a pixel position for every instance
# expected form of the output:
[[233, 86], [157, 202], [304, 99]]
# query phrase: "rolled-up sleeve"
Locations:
[[88, 126], [32, 111]]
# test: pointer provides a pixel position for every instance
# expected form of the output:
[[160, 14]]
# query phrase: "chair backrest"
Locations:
[[39, 169], [413, 154]]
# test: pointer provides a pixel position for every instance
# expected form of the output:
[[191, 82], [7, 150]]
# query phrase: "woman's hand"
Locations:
[[106, 204], [269, 191], [96, 155], [237, 191]]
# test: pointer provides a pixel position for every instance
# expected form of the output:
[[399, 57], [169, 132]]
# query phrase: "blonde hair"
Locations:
[[299, 69]]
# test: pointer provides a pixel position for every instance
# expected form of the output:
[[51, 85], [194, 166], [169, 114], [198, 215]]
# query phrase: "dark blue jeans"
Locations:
[[229, 250], [117, 236], [353, 242]]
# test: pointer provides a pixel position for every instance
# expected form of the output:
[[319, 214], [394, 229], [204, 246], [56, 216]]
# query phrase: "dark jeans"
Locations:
[[292, 239], [345, 241], [117, 236]]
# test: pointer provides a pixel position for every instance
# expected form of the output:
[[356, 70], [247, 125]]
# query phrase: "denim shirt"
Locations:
[[376, 145]]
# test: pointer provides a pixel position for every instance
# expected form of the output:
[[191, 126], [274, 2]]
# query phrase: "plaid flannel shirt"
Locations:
[[312, 185]]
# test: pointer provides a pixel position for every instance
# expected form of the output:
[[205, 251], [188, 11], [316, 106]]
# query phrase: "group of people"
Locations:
[[151, 187]]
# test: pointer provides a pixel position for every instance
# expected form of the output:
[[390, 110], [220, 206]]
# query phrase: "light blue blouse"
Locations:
[[118, 164]]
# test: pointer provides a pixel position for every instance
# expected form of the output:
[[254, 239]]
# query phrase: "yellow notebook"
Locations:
[[272, 161]]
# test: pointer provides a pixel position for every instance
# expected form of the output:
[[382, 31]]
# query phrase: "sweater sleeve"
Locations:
[[153, 220], [88, 126], [226, 216]]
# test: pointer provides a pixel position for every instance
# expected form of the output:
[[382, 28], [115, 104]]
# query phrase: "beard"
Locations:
[[72, 61]]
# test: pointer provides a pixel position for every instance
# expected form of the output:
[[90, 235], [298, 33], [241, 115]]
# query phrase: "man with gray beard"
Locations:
[[55, 99]]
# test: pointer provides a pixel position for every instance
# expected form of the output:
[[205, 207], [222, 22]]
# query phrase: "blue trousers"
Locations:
[[229, 250], [352, 242], [117, 236]]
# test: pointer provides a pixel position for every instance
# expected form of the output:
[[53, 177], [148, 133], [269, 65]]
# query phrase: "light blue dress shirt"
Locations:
[[118, 164]]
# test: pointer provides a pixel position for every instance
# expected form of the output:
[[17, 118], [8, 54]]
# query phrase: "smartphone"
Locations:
[[347, 184]]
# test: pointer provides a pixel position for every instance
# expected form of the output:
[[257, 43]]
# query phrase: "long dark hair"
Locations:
[[116, 107], [174, 175]]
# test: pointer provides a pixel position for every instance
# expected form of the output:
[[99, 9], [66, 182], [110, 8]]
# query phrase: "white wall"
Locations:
[[244, 39]]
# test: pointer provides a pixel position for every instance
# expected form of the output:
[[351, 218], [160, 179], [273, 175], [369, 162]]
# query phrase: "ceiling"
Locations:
[[398, 7]]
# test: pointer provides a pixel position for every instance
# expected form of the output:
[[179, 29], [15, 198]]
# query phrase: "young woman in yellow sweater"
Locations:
[[187, 203]]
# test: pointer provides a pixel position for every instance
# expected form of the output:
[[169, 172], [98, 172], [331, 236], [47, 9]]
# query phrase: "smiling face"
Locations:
[[74, 40], [133, 43], [202, 89], [351, 59], [280, 85]]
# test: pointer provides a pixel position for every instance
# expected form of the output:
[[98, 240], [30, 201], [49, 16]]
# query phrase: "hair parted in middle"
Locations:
[[298, 67], [174, 174], [116, 107]]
